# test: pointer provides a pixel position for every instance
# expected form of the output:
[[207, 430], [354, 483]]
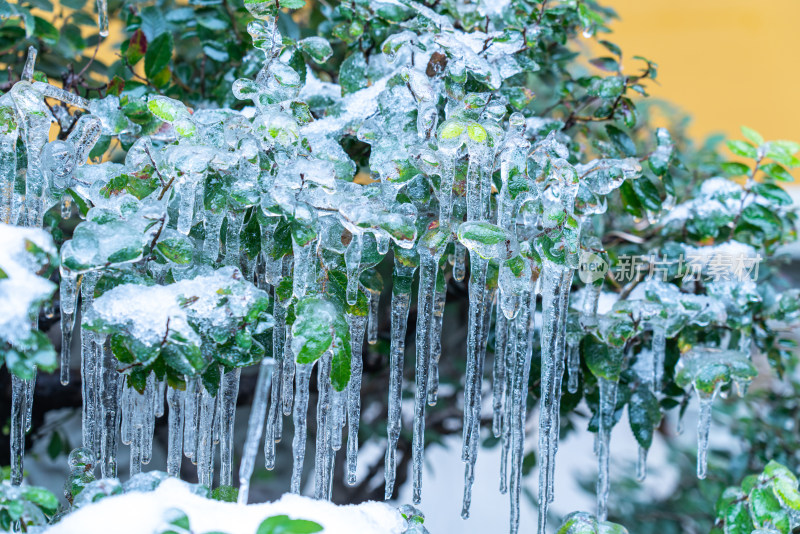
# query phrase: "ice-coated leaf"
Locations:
[[319, 327]]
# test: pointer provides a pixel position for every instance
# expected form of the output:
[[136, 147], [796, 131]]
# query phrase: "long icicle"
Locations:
[[436, 336], [175, 400], [357, 325], [523, 345], [323, 414], [555, 301], [18, 409], [302, 377], [401, 298], [88, 368], [428, 273], [608, 402], [110, 403], [255, 426], [274, 416]]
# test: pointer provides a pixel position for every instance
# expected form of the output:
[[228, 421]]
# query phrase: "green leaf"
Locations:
[[177, 249], [608, 64], [752, 136], [42, 498], [46, 31], [773, 192], [317, 48], [732, 168], [158, 55], [743, 149], [602, 361], [777, 172], [282, 524], [644, 415], [320, 326], [763, 218], [621, 140], [766, 510]]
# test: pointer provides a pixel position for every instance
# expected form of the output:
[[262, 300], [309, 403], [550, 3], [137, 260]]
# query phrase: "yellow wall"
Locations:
[[726, 62]]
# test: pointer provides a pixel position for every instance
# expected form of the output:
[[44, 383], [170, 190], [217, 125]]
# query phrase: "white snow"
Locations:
[[138, 513]]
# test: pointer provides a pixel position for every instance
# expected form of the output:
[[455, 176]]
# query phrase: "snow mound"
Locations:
[[143, 513]]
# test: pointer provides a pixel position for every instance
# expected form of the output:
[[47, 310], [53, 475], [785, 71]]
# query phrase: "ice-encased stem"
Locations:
[[401, 298], [357, 326], [175, 400], [459, 262], [230, 392], [428, 273], [608, 403], [255, 426], [302, 377]]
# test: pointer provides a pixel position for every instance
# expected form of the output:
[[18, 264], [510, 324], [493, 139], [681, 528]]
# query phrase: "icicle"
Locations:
[[302, 377], [30, 62], [448, 174], [89, 363], [149, 419], [175, 400], [352, 259], [436, 339], [304, 266], [205, 439], [192, 417], [477, 388], [658, 347], [233, 238], [608, 403], [703, 427], [323, 413], [477, 294], [357, 325], [523, 345], [498, 371], [186, 202], [60, 94], [30, 386], [18, 409], [212, 223], [255, 426], [401, 297], [641, 464], [287, 374], [459, 262], [274, 417], [230, 392], [573, 367], [102, 17], [372, 328], [109, 405], [429, 270], [555, 303], [161, 388]]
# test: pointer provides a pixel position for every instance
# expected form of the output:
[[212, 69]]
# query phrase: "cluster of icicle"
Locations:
[[506, 230]]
